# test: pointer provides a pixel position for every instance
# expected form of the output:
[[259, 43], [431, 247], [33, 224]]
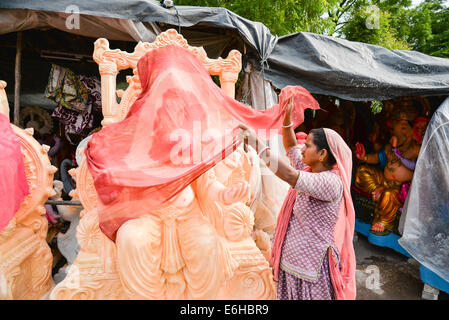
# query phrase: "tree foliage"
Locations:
[[280, 16], [438, 43], [393, 24]]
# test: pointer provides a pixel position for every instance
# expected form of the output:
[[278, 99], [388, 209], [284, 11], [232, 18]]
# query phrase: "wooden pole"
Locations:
[[64, 202], [17, 78]]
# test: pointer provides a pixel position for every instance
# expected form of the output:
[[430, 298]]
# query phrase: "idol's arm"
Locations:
[[371, 158]]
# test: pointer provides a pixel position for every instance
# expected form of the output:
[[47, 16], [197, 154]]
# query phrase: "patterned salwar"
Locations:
[[304, 269]]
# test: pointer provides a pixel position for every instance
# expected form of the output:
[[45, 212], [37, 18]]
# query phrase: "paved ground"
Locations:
[[384, 274]]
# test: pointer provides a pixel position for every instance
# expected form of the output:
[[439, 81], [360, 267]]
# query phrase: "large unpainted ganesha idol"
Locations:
[[210, 241]]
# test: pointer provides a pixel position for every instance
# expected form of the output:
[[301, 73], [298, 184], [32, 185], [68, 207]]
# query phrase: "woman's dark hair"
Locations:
[[319, 139]]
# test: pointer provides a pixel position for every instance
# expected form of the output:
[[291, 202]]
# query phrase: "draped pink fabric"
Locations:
[[343, 279], [13, 183], [181, 125]]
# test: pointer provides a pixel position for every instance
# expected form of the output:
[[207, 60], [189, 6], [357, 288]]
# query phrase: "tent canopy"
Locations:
[[322, 64]]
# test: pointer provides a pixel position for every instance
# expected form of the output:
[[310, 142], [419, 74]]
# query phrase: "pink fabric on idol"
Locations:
[[343, 279], [180, 126], [13, 183]]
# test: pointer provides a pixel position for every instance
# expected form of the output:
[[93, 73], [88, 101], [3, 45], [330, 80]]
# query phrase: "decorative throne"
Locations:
[[25, 257], [95, 273]]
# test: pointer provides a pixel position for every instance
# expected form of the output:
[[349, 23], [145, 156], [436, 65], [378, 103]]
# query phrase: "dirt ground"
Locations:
[[384, 274]]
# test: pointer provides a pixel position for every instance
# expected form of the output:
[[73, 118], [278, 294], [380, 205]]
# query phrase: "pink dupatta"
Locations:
[[343, 279]]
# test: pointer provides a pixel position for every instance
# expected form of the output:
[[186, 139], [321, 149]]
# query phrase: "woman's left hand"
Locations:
[[248, 135]]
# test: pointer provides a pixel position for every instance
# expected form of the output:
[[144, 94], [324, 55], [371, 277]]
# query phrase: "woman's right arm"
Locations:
[[288, 134]]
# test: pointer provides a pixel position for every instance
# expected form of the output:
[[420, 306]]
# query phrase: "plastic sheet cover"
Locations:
[[354, 70], [426, 226]]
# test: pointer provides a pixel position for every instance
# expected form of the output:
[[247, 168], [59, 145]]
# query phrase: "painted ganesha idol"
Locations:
[[387, 174], [153, 228]]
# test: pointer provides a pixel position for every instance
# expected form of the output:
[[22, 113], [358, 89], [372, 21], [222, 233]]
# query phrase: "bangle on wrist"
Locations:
[[260, 152], [288, 126]]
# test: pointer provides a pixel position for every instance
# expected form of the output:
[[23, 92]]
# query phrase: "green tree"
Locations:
[[280, 16], [393, 24], [374, 22], [438, 43]]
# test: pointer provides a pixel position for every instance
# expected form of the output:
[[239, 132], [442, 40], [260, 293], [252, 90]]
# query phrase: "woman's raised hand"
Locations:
[[290, 106]]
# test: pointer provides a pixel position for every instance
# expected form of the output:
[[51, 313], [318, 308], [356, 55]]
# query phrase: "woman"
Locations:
[[312, 255]]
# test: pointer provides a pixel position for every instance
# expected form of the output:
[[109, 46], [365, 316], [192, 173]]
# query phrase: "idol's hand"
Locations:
[[360, 151], [234, 194], [377, 193]]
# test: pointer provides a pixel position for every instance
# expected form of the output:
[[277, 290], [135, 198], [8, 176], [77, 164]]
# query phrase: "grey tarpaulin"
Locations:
[[354, 70], [426, 212], [255, 34], [321, 64]]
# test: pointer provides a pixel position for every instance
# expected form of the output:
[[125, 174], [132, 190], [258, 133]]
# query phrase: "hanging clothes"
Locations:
[[66, 89], [76, 122], [73, 121], [93, 85]]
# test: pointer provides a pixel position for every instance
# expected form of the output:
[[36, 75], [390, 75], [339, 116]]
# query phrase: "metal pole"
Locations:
[[17, 78], [63, 202]]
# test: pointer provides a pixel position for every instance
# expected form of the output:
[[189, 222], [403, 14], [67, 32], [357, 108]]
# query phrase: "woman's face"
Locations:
[[310, 154]]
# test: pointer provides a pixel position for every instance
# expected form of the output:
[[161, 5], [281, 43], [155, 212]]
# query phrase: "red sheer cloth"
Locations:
[[180, 126], [13, 182]]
